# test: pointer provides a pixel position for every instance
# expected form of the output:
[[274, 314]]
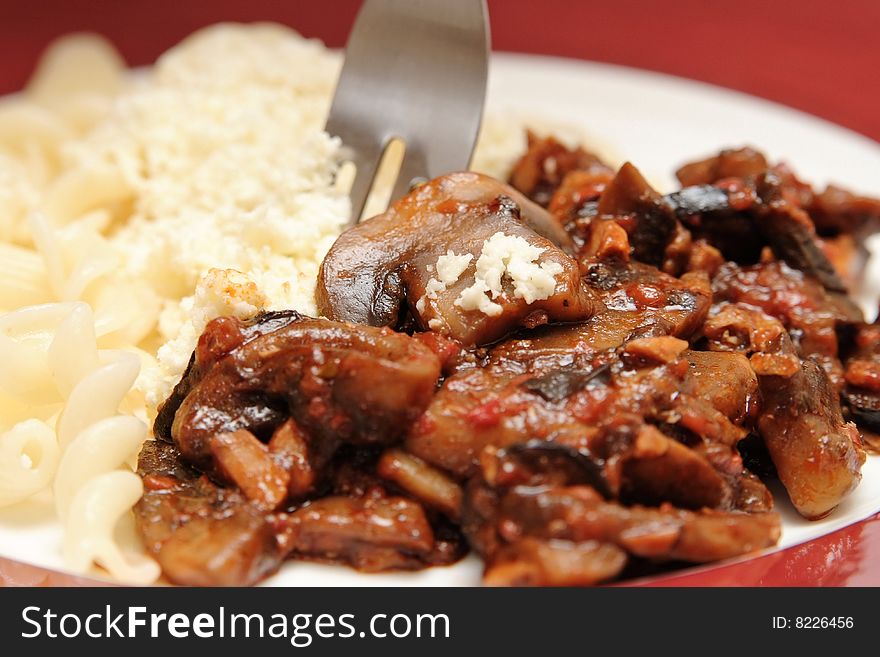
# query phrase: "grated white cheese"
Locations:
[[219, 292], [223, 148], [511, 257], [449, 268]]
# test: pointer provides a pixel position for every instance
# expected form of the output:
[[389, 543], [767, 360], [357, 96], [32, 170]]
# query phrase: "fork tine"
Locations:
[[413, 166], [414, 70], [366, 165]]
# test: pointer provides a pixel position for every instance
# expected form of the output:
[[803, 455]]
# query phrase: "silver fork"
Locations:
[[415, 70]]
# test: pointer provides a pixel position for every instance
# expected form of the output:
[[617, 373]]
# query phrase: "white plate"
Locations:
[[657, 122]]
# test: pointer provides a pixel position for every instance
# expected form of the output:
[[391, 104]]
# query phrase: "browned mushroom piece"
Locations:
[[724, 381], [201, 534], [576, 394], [508, 402], [547, 161], [206, 535], [818, 456], [603, 402], [834, 210], [226, 334], [241, 459], [374, 532], [577, 513], [740, 202], [426, 483], [292, 449], [536, 562], [862, 375], [790, 232], [579, 190], [807, 309], [658, 304], [730, 163], [649, 221], [744, 218], [526, 527], [340, 382], [463, 255]]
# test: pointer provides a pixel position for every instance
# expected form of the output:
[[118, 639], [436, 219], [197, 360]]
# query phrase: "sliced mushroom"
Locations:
[[339, 382], [386, 268], [542, 168], [818, 456], [643, 213], [577, 513], [428, 484], [536, 562], [372, 533], [862, 391], [201, 534]]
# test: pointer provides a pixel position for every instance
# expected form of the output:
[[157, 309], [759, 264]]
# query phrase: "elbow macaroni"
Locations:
[[119, 194], [73, 320], [79, 444], [93, 488], [59, 394]]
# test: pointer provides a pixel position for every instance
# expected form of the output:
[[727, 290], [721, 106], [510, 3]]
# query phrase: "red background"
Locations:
[[817, 55]]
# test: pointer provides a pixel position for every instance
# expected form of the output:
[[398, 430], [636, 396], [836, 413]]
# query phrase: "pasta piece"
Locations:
[[83, 112], [25, 335], [96, 396], [91, 523], [95, 444], [104, 446], [76, 64], [70, 357], [20, 193], [93, 389], [13, 411], [28, 459], [82, 190], [80, 264], [126, 312], [23, 279], [72, 266], [54, 355], [23, 123]]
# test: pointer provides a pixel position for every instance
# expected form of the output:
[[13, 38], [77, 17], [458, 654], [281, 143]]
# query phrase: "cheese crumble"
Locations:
[[222, 147], [219, 292], [509, 257], [449, 268]]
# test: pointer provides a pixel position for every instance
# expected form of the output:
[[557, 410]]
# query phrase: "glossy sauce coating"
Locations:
[[591, 434]]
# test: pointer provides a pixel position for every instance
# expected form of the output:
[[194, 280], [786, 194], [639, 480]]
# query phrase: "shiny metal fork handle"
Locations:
[[415, 70]]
